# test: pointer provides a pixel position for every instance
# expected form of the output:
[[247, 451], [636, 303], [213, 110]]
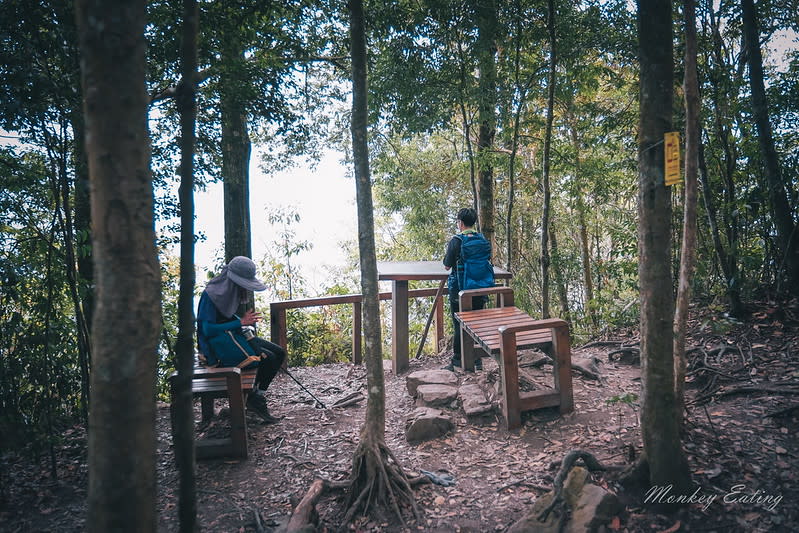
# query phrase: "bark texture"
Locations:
[[122, 442], [486, 12], [377, 478], [661, 438], [236, 150], [545, 258], [182, 404], [689, 228]]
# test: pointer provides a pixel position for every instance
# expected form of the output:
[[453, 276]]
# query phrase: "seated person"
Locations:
[[220, 337]]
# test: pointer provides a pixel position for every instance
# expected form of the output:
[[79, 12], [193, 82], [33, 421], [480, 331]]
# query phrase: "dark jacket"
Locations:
[[219, 338]]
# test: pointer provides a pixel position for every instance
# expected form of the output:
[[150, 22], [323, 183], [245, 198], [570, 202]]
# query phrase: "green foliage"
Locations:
[[40, 379], [630, 399], [319, 337], [170, 289]]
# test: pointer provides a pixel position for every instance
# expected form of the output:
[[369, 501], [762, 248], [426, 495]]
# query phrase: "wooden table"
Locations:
[[400, 273]]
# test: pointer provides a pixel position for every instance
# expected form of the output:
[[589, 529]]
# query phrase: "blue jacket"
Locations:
[[219, 338]]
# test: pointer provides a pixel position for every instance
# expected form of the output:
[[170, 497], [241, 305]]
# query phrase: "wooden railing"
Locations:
[[277, 315]]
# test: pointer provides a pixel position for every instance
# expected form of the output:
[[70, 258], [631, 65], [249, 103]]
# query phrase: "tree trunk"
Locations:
[[236, 149], [522, 88], [83, 224], [486, 11], [557, 267], [467, 127], [585, 251], [375, 415], [63, 212], [689, 229], [376, 478], [721, 95], [726, 263], [787, 234], [547, 156], [182, 405], [663, 452], [122, 440]]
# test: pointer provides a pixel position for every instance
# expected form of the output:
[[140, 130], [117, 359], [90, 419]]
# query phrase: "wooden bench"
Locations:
[[503, 330], [209, 384]]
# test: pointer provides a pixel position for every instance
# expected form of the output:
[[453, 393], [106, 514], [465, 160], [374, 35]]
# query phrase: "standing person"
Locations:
[[221, 340], [454, 262]]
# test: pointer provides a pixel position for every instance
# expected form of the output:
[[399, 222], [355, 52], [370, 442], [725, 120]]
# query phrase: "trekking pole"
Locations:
[[430, 318], [286, 370]]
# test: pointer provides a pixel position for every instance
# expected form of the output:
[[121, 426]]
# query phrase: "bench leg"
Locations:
[[467, 351], [563, 368], [509, 378], [207, 407], [238, 422]]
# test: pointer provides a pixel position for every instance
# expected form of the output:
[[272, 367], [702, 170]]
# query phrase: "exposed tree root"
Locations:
[[378, 481], [776, 388], [590, 462], [304, 515]]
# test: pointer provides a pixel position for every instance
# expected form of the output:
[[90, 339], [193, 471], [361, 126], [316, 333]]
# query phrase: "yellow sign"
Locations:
[[671, 140]]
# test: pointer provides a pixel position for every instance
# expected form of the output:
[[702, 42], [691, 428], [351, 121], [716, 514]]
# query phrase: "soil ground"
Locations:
[[741, 442]]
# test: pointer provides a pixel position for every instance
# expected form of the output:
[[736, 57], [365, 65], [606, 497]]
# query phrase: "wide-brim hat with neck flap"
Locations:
[[241, 271]]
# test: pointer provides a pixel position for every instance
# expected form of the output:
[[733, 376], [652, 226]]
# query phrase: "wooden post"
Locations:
[[467, 344], [238, 422], [509, 378], [562, 367], [277, 324], [356, 332], [439, 318], [399, 327]]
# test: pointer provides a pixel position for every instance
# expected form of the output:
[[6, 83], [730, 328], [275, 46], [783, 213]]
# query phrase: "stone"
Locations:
[[426, 423], [591, 508], [435, 395], [530, 524], [596, 507], [429, 377], [473, 400]]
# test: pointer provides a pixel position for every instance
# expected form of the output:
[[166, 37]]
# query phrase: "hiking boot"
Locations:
[[257, 404]]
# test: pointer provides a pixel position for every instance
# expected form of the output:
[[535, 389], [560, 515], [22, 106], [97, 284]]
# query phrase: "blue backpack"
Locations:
[[478, 272]]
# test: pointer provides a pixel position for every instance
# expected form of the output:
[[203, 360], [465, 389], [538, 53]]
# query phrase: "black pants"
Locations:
[[454, 306], [272, 358]]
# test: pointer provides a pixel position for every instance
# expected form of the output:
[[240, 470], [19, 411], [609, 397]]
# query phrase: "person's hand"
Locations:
[[250, 318]]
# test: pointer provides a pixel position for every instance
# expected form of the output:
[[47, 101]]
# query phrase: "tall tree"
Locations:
[[182, 404], [122, 481], [781, 213], [689, 228], [236, 147], [663, 454], [486, 50], [377, 476], [545, 212]]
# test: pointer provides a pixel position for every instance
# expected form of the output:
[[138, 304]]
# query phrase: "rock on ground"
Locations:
[[429, 377], [425, 424]]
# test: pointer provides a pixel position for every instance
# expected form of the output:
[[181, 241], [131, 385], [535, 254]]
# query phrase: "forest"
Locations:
[[546, 116]]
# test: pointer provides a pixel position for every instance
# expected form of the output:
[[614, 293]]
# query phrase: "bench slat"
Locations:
[[483, 326]]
